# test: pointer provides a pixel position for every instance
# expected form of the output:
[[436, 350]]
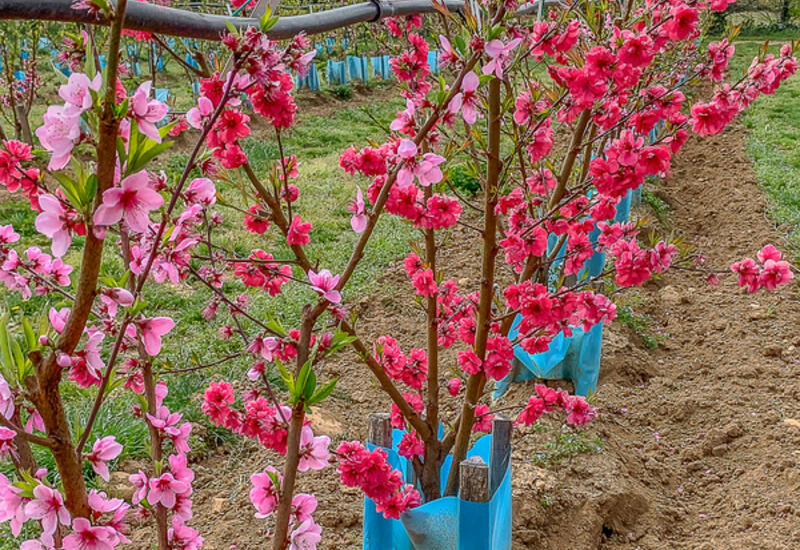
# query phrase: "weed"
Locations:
[[567, 444], [342, 91], [639, 324], [659, 206]]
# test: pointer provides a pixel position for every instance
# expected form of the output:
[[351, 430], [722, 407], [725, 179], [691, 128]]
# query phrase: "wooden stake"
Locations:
[[473, 475], [380, 430], [501, 450]]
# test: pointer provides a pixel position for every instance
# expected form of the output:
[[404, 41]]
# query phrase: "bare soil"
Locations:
[[700, 447]]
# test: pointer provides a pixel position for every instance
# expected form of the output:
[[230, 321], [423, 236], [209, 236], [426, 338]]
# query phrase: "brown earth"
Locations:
[[700, 447]]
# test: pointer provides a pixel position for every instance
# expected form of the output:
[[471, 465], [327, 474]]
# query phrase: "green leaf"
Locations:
[[286, 376], [311, 385], [90, 189], [148, 154], [300, 384], [231, 28], [30, 337], [323, 393]]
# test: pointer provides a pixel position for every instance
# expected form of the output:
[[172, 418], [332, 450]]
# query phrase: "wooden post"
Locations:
[[501, 451], [473, 475], [22, 118], [380, 430]]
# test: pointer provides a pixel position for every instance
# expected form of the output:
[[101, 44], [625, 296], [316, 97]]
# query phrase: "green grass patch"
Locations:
[[773, 143], [567, 444]]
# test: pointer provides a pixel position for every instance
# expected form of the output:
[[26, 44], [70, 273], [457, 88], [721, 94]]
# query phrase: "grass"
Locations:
[[567, 444], [773, 143]]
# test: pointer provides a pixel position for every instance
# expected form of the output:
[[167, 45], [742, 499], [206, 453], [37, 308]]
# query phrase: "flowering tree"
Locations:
[[552, 114]]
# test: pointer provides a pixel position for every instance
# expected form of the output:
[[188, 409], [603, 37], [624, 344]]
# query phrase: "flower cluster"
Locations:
[[370, 471]]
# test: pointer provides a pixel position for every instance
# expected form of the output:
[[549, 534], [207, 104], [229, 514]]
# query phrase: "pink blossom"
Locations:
[[164, 490], [580, 412], [325, 285], [140, 483], [306, 536], [303, 505], [58, 319], [467, 100], [314, 452], [201, 191], [132, 200], [182, 536], [89, 537], [104, 449], [147, 112], [359, 220], [196, 115], [58, 135], [499, 55], [76, 92], [8, 235], [6, 399], [298, 232], [53, 222], [152, 330], [47, 506], [264, 494]]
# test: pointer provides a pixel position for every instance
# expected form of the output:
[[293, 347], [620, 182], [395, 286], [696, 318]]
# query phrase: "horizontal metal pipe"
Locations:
[[177, 22]]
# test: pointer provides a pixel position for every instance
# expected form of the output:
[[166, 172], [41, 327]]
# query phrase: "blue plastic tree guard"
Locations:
[[337, 72], [311, 80], [381, 67], [191, 61], [448, 523], [433, 61], [358, 67]]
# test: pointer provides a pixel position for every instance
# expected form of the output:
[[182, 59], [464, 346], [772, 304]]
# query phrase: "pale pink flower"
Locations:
[[152, 331], [264, 494], [100, 503], [359, 220], [314, 453], [58, 135], [499, 54], [201, 191], [7, 436], [34, 544], [140, 483], [6, 399], [52, 222], [325, 284], [94, 362], [114, 297], [12, 506], [306, 536], [164, 490], [428, 170], [8, 235], [466, 100], [182, 536], [132, 200], [104, 449], [147, 111], [76, 92], [303, 505], [197, 115], [48, 507], [89, 537], [179, 465], [58, 318]]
